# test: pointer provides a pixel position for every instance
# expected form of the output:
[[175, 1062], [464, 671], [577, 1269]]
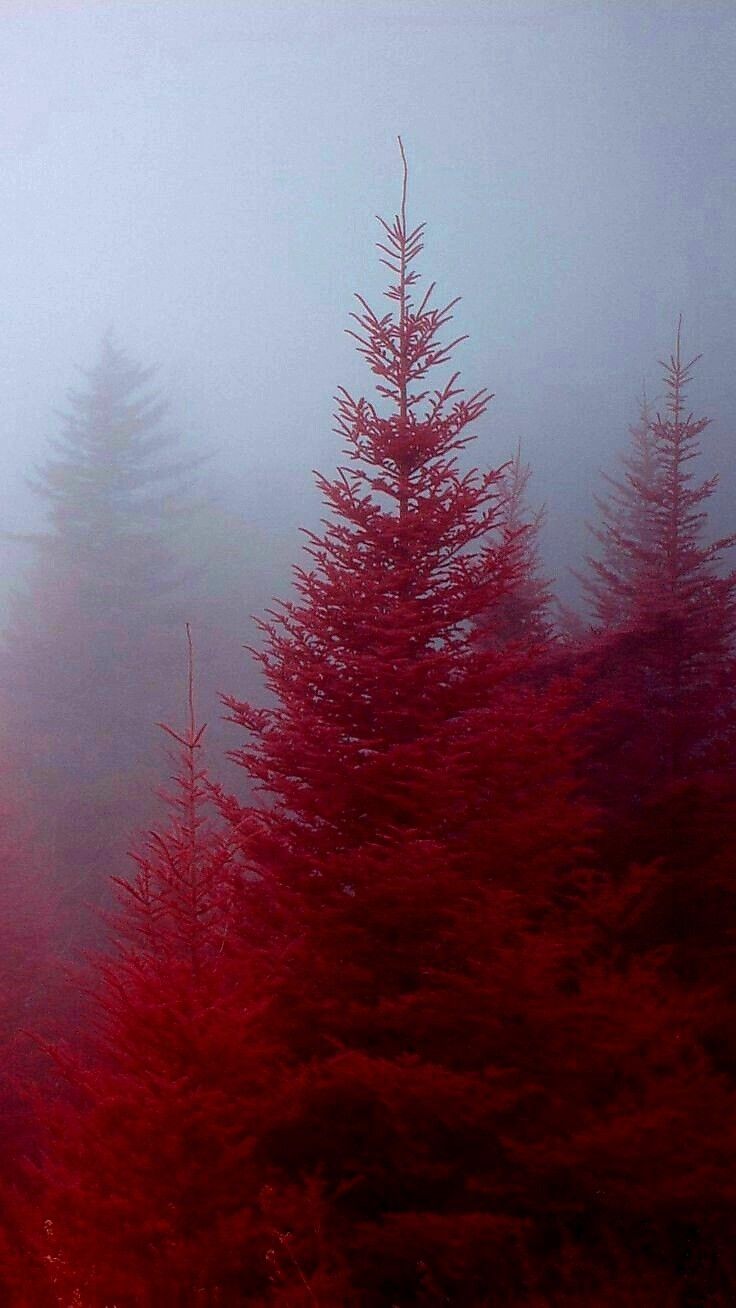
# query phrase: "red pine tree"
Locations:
[[146, 1193], [400, 749], [523, 616], [625, 529], [667, 607]]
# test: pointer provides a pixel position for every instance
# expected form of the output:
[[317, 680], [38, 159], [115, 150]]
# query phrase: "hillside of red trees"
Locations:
[[438, 1004]]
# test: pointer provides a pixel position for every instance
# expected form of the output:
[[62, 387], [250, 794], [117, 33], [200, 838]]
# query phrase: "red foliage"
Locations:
[[666, 607], [417, 930], [146, 1196], [391, 1036], [523, 615]]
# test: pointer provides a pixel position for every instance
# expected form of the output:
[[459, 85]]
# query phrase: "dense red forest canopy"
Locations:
[[439, 1008]]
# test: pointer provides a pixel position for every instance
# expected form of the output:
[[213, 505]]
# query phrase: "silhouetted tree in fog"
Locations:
[[85, 665], [665, 603], [660, 669], [523, 615], [625, 528]]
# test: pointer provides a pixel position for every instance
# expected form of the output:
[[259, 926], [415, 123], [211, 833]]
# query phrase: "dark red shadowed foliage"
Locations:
[[148, 1193], [467, 1067], [446, 1017]]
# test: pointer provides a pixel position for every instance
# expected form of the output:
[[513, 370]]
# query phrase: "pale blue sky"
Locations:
[[205, 175]]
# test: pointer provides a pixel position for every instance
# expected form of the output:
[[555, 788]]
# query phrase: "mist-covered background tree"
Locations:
[[89, 655], [524, 617], [663, 661], [659, 665], [664, 602]]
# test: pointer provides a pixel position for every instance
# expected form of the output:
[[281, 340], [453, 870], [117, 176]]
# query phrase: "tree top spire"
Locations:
[[405, 181]]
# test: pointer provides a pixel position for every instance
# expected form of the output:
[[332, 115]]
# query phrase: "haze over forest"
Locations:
[[368, 665], [204, 177]]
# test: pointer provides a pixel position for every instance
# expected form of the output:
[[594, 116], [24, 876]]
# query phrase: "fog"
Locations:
[[468, 853], [204, 177]]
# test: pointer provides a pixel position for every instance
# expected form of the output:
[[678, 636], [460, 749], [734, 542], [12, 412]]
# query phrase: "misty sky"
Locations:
[[204, 176]]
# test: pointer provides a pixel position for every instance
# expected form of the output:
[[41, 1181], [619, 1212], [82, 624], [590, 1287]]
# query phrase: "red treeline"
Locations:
[[145, 1189], [446, 1016]]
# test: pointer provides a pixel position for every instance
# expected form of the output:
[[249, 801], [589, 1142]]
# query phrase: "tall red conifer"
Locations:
[[390, 859], [147, 1197]]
